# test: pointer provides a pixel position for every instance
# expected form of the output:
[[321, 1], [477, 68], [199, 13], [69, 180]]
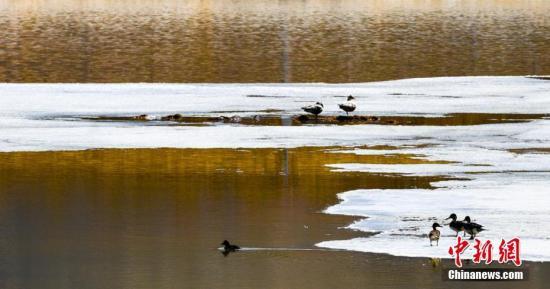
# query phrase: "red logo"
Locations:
[[507, 251], [484, 251], [458, 249]]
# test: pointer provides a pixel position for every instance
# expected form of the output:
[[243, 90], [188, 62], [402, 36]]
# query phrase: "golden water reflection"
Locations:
[[153, 218], [270, 41]]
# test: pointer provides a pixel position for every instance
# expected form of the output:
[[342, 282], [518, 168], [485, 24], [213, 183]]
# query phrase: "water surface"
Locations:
[[154, 218], [270, 41]]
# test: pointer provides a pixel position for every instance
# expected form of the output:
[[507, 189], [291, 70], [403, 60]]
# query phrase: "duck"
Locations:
[[472, 228], [228, 247], [348, 106], [435, 234], [455, 225], [314, 109]]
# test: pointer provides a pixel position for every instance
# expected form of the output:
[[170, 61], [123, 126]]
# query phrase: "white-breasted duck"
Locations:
[[455, 225], [472, 228], [348, 106], [434, 234], [314, 109]]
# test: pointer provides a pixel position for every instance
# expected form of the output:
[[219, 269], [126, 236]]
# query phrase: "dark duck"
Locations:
[[472, 228], [435, 234], [348, 106], [455, 225], [228, 247], [314, 109]]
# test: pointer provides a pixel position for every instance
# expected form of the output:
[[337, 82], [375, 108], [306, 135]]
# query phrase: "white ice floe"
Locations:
[[428, 96], [42, 116], [478, 160], [40, 135], [506, 191], [508, 205]]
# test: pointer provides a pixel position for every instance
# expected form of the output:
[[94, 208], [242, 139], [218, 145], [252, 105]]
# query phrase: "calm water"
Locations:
[[154, 218], [270, 41]]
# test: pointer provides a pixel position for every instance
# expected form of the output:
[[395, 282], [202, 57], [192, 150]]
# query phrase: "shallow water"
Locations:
[[270, 41], [155, 218]]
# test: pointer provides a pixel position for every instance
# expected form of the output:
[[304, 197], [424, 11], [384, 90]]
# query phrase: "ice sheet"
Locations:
[[38, 116], [506, 191], [431, 96], [507, 205]]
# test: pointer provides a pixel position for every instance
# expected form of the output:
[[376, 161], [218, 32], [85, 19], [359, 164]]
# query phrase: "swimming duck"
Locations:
[[472, 228], [435, 234], [348, 106], [314, 109], [455, 225], [227, 247]]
